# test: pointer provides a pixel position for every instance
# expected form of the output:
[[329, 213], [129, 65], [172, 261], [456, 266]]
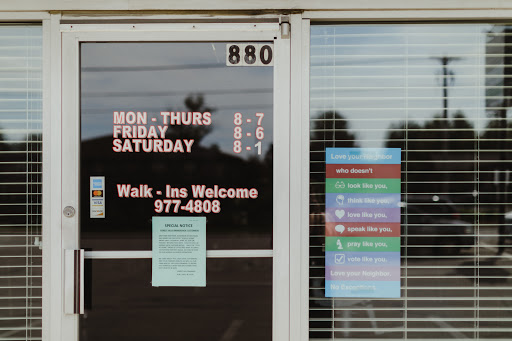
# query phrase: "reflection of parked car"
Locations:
[[431, 220], [507, 231]]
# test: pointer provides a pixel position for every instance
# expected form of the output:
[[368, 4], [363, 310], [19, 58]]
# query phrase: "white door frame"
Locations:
[[72, 35]]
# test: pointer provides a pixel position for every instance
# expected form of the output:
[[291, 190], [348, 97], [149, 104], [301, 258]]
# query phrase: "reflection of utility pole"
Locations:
[[448, 75]]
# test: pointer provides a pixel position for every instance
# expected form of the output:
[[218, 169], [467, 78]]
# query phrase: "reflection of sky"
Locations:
[[376, 75], [20, 81], [156, 77]]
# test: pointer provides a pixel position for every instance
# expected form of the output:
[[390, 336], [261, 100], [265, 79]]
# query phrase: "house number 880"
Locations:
[[249, 55]]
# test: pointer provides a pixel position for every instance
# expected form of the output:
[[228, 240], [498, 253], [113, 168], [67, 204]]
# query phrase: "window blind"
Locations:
[[442, 93], [20, 181]]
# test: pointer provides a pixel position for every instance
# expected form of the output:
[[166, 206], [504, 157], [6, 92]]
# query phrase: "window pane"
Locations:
[[236, 304], [441, 93], [186, 78], [20, 181]]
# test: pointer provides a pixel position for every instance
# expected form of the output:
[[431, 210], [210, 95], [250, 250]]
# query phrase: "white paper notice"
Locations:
[[179, 251]]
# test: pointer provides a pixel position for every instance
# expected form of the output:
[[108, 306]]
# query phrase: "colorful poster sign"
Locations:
[[362, 222], [179, 251]]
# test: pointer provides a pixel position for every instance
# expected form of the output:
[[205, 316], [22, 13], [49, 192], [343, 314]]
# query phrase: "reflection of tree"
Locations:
[[470, 163], [20, 208], [329, 129], [20, 166], [5, 158], [494, 133], [207, 166], [463, 165], [434, 165], [495, 156], [194, 103]]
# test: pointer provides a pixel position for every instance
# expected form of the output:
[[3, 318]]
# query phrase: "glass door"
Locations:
[[171, 147]]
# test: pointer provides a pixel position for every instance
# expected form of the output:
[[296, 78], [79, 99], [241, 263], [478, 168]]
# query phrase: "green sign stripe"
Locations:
[[363, 244], [362, 185]]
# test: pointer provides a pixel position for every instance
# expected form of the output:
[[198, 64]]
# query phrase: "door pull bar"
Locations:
[[74, 281]]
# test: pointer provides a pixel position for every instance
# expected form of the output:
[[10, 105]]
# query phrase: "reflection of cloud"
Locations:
[[20, 81], [385, 73], [149, 68]]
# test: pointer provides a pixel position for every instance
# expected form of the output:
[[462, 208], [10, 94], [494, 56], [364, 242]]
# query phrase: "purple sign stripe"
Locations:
[[367, 215], [369, 273]]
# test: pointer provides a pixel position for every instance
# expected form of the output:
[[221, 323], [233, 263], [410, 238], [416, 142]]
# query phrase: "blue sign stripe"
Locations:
[[367, 289], [363, 156]]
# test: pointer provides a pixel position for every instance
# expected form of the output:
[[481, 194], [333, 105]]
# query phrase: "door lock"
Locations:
[[69, 211]]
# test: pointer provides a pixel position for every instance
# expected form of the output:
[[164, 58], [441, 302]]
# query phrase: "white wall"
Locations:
[[129, 5]]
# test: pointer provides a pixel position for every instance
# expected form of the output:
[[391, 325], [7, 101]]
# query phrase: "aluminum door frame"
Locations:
[[72, 36]]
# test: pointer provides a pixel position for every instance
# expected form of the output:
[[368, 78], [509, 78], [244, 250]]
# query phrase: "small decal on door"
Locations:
[[97, 197]]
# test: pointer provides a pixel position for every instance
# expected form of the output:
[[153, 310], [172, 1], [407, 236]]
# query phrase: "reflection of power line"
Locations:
[[150, 68], [175, 93], [256, 107], [372, 61]]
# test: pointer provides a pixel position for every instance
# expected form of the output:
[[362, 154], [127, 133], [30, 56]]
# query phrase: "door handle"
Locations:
[[74, 281]]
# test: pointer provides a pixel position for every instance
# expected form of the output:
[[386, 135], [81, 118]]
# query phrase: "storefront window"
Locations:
[[442, 94], [20, 181]]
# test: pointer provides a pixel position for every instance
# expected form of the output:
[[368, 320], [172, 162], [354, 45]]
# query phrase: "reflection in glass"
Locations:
[[176, 77], [21, 104], [236, 304], [441, 93]]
